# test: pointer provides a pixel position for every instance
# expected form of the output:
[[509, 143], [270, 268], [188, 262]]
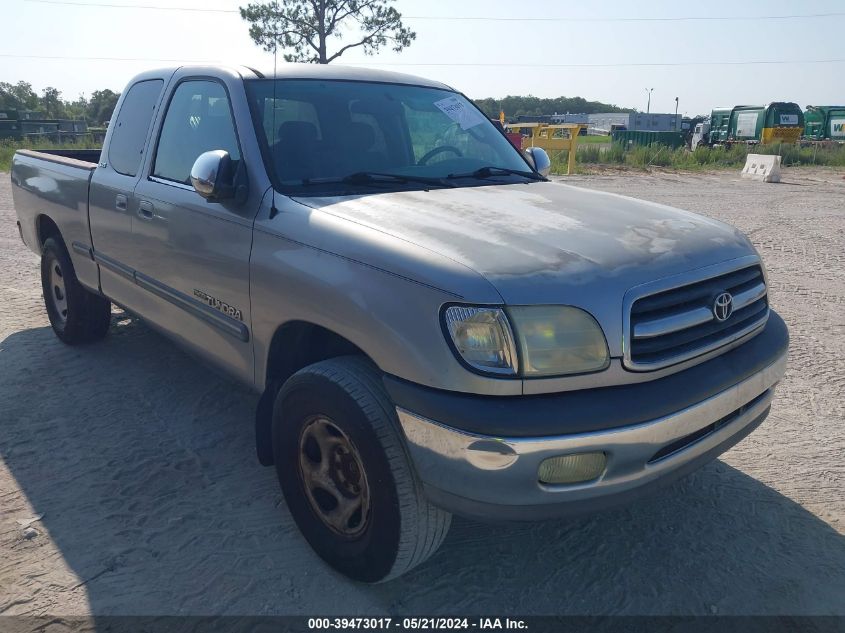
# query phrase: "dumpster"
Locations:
[[644, 137]]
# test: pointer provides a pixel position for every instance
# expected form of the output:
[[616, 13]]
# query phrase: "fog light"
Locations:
[[572, 469]]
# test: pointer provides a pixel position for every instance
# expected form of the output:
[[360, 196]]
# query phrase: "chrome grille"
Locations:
[[676, 324]]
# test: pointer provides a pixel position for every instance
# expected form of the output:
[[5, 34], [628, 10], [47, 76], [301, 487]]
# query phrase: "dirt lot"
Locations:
[[140, 464]]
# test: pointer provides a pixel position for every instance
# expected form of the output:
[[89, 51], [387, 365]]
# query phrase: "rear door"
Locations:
[[111, 203], [191, 256]]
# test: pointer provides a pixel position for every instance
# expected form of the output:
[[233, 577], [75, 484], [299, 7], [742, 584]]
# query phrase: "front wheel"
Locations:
[[345, 473], [76, 314]]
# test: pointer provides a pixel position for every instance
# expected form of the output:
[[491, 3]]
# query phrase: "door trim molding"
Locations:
[[221, 321], [83, 249], [114, 266]]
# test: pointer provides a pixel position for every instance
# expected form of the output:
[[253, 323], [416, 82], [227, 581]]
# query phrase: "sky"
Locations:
[[604, 50]]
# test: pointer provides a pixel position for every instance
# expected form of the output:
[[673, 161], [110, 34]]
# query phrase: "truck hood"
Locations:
[[543, 243]]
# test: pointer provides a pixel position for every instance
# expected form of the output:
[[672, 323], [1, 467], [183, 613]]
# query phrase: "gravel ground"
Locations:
[[134, 467]]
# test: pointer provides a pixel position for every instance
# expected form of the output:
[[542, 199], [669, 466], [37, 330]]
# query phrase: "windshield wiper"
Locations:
[[377, 178], [366, 177], [489, 171]]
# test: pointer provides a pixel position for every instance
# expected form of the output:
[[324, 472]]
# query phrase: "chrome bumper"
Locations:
[[497, 472]]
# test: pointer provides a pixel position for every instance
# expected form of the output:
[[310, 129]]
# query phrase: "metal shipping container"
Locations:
[[9, 129], [40, 129], [31, 115], [74, 126]]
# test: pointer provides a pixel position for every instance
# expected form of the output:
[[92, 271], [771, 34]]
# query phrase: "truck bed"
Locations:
[[81, 158], [54, 184]]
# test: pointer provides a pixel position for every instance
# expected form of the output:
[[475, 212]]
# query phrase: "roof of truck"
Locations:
[[287, 70], [826, 108], [351, 73], [760, 107]]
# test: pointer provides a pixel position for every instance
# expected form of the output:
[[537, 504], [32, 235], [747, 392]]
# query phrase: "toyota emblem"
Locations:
[[723, 306]]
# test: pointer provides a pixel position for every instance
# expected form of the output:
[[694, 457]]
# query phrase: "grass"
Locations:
[[702, 158], [593, 139], [9, 146]]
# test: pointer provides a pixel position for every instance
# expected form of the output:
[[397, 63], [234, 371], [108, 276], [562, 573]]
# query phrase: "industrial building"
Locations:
[[652, 122]]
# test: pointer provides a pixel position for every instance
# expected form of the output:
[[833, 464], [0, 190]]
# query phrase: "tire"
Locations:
[[76, 314], [340, 406]]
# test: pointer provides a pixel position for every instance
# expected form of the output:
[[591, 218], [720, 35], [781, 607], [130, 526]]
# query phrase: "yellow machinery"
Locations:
[[550, 137], [780, 135]]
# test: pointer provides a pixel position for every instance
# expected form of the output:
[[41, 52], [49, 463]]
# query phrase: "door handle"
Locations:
[[120, 202], [145, 210]]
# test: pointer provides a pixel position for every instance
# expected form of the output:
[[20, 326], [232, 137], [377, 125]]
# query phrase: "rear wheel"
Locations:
[[346, 476], [76, 314]]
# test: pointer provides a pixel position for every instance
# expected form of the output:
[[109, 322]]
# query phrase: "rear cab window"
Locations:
[[129, 136]]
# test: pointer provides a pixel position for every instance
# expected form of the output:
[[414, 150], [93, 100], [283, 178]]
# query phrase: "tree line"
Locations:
[[515, 106], [96, 109]]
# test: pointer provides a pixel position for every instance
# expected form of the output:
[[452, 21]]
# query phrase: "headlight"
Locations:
[[483, 338], [552, 340], [557, 340]]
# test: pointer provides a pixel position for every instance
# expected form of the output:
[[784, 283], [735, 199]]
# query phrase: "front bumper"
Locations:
[[496, 476]]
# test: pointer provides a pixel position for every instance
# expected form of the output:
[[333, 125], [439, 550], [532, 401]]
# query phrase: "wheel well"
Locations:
[[298, 344], [295, 345], [46, 229]]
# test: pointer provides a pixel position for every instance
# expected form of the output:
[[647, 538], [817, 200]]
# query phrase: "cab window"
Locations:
[[198, 119], [126, 146]]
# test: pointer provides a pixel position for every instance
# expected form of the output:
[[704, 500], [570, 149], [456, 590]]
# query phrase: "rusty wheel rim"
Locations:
[[334, 479]]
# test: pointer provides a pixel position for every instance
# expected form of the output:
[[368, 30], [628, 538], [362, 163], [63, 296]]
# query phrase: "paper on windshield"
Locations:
[[460, 112]]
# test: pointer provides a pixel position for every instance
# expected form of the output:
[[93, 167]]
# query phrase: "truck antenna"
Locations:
[[273, 210]]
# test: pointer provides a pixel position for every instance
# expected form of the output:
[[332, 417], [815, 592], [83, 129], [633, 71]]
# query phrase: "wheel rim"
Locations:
[[334, 480], [58, 294]]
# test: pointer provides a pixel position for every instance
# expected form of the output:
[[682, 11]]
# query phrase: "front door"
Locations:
[[191, 255]]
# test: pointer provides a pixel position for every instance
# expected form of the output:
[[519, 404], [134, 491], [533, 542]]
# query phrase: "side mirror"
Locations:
[[211, 175], [539, 160]]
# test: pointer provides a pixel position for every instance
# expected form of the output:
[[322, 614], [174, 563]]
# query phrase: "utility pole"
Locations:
[[648, 107], [676, 113]]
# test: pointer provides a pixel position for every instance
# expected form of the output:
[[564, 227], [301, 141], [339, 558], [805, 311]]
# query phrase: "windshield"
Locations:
[[349, 134]]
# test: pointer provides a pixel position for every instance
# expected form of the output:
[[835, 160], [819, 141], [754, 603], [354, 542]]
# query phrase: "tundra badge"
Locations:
[[215, 303]]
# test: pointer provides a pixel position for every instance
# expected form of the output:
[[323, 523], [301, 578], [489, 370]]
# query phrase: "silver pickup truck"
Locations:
[[433, 326]]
